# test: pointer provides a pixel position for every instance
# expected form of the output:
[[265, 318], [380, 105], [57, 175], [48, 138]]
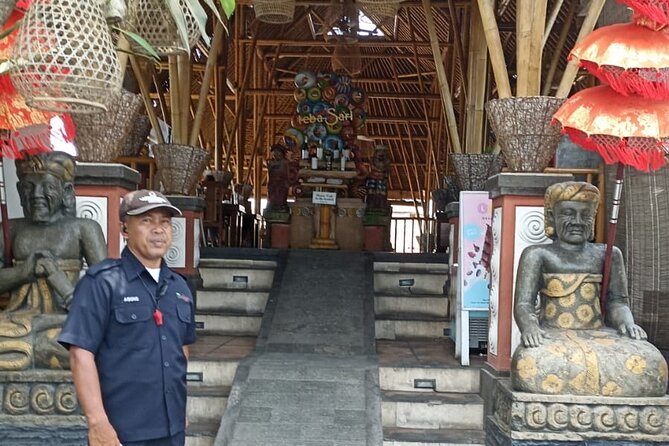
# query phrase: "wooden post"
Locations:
[[175, 99], [529, 34], [206, 82], [444, 88], [548, 81], [551, 21], [478, 75], [486, 8], [184, 65], [586, 28]]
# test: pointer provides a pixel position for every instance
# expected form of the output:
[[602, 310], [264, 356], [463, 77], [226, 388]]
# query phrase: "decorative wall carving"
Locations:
[[94, 208], [39, 398], [494, 279], [176, 256]]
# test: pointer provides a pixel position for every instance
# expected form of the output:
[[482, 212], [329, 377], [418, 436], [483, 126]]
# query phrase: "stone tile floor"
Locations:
[[222, 347], [420, 352]]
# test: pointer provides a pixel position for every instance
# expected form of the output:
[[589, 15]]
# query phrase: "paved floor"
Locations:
[[313, 376]]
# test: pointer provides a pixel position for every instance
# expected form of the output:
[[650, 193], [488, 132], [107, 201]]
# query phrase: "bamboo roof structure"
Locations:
[[419, 109]]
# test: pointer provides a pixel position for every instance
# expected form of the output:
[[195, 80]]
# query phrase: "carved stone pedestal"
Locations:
[[40, 407], [569, 420]]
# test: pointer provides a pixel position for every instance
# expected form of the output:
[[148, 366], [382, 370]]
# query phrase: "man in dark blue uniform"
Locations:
[[128, 329]]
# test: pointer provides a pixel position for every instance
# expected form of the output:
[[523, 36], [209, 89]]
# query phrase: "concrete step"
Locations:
[[201, 434], [395, 436], [431, 411], [454, 379], [409, 326], [410, 278], [237, 323], [222, 299], [211, 372], [237, 273], [402, 303], [205, 404]]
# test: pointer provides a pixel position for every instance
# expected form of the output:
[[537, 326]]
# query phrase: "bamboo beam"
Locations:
[[220, 85], [564, 32], [478, 76], [444, 89], [144, 90], [551, 21], [572, 66], [531, 18], [175, 99], [371, 43], [487, 11], [183, 61], [459, 47], [206, 82]]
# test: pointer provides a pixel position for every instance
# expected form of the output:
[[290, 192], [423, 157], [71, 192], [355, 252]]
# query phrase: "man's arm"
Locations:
[[87, 383]]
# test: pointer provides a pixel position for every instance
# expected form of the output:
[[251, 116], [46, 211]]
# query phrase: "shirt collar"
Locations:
[[133, 267]]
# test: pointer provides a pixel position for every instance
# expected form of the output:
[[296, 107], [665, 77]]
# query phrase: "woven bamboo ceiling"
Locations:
[[253, 91]]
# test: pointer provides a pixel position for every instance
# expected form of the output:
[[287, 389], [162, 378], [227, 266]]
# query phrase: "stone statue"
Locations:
[[48, 245], [377, 181], [565, 346], [279, 179]]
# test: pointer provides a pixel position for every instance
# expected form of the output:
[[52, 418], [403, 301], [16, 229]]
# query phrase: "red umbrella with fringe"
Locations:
[[655, 10], [23, 130], [629, 130]]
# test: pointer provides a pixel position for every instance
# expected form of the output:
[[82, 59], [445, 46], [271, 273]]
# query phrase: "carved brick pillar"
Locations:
[[99, 188], [517, 222]]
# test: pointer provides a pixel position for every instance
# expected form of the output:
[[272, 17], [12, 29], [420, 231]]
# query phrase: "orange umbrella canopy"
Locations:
[[631, 58], [628, 129], [656, 10]]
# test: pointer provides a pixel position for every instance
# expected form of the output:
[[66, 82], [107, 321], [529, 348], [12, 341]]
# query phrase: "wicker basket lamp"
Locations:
[[153, 21], [100, 137], [381, 9], [137, 137], [473, 169], [274, 11], [66, 61], [524, 130], [179, 167]]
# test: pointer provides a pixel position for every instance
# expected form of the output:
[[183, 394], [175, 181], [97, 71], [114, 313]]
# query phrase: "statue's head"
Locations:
[[46, 186], [278, 151], [569, 211]]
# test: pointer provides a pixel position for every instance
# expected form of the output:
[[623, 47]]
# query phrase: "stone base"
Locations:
[[273, 216], [541, 420], [39, 407]]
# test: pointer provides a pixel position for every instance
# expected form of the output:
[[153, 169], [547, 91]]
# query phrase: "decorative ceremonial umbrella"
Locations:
[[630, 57], [23, 130], [656, 10]]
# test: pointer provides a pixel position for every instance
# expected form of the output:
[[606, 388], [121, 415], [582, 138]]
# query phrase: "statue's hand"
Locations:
[[44, 267], [534, 337], [27, 268], [633, 331]]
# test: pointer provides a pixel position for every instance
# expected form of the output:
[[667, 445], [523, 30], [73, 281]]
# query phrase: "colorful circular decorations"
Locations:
[[293, 138], [357, 96], [335, 127], [333, 142], [305, 79], [300, 94], [319, 108], [359, 118], [347, 133], [316, 132], [329, 93], [329, 78], [341, 100], [314, 94], [344, 85], [304, 108]]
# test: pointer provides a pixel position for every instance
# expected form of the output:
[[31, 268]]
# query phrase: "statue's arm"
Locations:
[[618, 313], [528, 284], [15, 276], [93, 242]]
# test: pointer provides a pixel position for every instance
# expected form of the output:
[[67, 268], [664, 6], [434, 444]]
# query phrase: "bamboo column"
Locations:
[[551, 21], [586, 28], [548, 81], [175, 99], [145, 91], [184, 67], [477, 74], [486, 8], [530, 24], [444, 89]]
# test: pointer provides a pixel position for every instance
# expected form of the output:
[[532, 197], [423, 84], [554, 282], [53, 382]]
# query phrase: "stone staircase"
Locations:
[[229, 310], [427, 397]]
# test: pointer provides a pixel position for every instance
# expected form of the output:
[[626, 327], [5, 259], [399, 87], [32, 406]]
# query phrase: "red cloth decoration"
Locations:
[[656, 10]]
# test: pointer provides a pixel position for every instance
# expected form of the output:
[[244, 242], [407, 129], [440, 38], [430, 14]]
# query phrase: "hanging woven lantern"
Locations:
[[627, 129], [151, 20], [65, 58], [524, 130], [631, 58], [274, 11], [100, 137], [379, 9], [179, 167]]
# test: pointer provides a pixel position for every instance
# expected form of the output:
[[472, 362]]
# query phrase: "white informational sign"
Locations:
[[319, 197]]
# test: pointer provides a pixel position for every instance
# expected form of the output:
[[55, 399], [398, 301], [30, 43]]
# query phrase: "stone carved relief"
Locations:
[[305, 211], [94, 208], [176, 256], [494, 279], [196, 245], [39, 399]]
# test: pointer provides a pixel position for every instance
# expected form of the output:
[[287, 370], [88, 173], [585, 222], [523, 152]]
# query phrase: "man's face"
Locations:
[[574, 221], [150, 236], [41, 196]]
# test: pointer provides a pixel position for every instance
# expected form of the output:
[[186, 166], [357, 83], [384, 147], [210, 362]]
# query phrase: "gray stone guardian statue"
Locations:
[[566, 346], [49, 245]]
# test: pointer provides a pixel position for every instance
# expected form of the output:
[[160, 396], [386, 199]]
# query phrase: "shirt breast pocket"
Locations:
[[131, 327]]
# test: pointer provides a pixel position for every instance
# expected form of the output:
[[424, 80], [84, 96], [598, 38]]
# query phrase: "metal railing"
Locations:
[[413, 234]]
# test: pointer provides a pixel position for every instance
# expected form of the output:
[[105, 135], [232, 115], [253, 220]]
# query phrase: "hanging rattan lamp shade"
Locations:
[[152, 20], [380, 9], [65, 58], [274, 11]]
